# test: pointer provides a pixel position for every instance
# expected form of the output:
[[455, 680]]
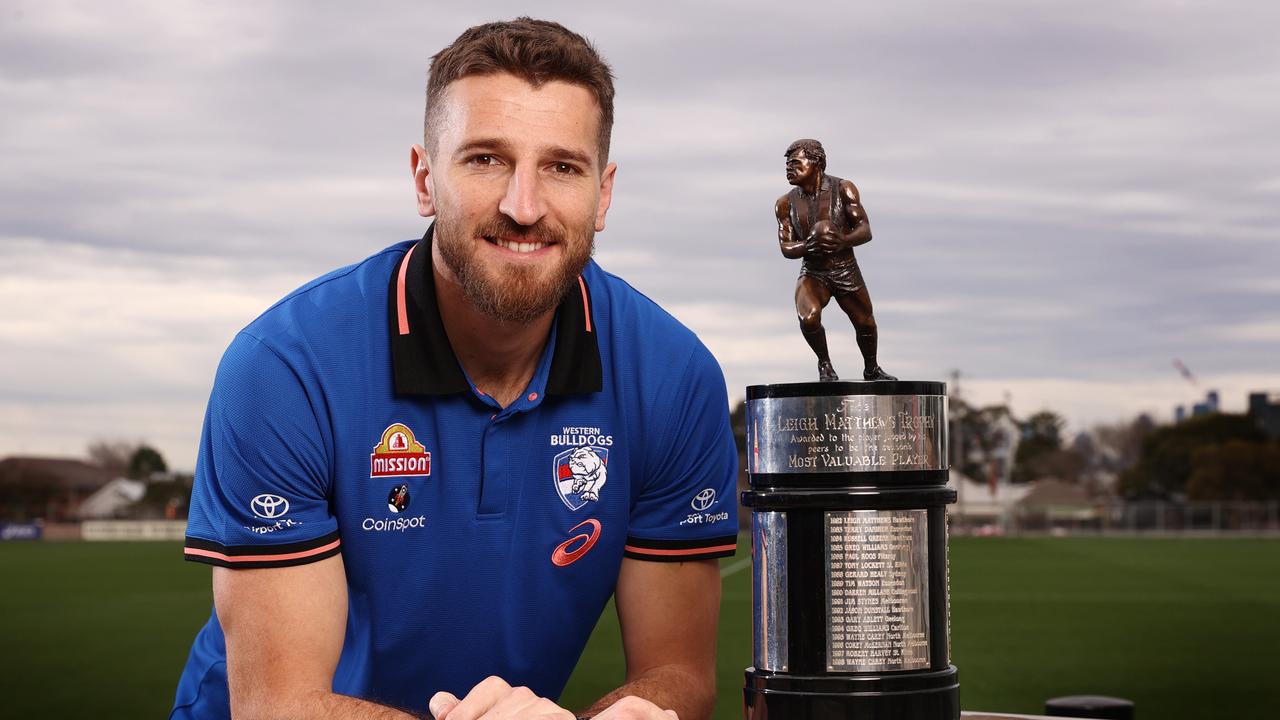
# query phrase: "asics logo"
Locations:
[[563, 556]]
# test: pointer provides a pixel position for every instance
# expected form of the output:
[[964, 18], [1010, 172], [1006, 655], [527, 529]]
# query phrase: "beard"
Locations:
[[519, 294]]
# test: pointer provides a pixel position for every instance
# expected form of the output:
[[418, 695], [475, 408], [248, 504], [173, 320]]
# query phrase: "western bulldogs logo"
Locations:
[[580, 473]]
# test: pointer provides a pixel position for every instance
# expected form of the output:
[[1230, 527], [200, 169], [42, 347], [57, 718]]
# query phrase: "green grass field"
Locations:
[[1185, 628]]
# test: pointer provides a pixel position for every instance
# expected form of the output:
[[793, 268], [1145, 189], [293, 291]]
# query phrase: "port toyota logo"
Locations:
[[269, 507], [399, 454], [703, 500]]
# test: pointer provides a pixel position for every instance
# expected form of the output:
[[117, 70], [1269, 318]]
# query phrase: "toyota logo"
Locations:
[[269, 507], [703, 500]]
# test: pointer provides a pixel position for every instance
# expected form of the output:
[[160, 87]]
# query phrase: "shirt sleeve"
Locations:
[[261, 491], [688, 507]]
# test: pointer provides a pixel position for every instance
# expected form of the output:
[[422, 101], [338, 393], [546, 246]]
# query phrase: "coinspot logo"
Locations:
[[269, 507]]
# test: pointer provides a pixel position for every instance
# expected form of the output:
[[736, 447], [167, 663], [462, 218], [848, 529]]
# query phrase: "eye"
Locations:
[[562, 168], [483, 160]]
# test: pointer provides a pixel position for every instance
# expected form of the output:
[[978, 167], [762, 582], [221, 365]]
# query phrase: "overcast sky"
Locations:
[[1065, 196]]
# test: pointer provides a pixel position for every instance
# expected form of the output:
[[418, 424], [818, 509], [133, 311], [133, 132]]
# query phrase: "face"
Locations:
[[515, 183], [800, 167]]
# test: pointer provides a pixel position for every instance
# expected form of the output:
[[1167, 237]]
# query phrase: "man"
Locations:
[[822, 221], [422, 477]]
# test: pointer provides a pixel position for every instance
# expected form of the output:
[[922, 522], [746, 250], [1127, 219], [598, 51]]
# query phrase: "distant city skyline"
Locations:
[[1063, 202]]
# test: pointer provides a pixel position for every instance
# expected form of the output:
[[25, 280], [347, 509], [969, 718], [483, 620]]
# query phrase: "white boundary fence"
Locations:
[[110, 530], [1147, 517]]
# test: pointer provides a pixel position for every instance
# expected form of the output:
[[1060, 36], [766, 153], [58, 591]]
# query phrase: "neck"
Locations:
[[811, 186], [500, 357]]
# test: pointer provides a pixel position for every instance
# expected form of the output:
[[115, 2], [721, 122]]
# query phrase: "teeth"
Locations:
[[520, 247]]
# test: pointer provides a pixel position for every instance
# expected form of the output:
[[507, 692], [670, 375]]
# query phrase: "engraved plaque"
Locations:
[[769, 591], [946, 529], [846, 433], [877, 590]]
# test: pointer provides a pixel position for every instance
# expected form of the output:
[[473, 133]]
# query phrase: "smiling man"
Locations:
[[423, 476]]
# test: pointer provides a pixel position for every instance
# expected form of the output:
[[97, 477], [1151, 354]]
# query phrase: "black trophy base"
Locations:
[[931, 695]]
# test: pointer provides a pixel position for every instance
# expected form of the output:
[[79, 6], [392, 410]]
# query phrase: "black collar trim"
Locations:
[[423, 362]]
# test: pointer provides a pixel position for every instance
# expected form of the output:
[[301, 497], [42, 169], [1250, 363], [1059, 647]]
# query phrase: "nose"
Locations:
[[524, 201]]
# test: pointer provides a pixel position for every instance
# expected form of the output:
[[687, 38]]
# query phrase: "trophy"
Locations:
[[848, 499]]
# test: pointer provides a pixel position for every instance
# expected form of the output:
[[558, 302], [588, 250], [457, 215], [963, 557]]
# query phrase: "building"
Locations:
[[982, 506], [1050, 503], [1264, 408], [47, 488], [1209, 405]]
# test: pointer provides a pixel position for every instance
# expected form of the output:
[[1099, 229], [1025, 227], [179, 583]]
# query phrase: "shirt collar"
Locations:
[[423, 362]]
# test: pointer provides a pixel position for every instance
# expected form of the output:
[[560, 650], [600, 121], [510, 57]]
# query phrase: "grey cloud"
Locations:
[[1057, 192]]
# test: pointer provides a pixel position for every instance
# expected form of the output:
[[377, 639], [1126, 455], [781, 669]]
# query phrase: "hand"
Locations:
[[635, 708], [494, 699], [823, 239]]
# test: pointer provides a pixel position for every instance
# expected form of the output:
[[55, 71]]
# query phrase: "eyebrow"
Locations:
[[502, 146]]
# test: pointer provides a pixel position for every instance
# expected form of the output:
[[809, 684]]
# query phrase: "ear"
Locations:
[[420, 166], [606, 194]]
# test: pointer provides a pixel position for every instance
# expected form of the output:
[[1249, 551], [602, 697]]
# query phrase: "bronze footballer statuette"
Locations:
[[820, 222]]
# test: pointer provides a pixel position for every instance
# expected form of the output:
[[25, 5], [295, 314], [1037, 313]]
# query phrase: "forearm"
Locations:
[[860, 235], [333, 705], [321, 705], [792, 249], [691, 694]]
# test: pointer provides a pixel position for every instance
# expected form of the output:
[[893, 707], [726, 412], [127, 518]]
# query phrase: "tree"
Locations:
[[112, 455], [979, 436], [145, 462], [1040, 453], [169, 498], [1119, 445], [1165, 464], [738, 422], [1235, 470]]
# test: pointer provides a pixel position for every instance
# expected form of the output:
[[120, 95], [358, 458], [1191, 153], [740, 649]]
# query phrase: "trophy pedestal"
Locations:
[[849, 540], [906, 696]]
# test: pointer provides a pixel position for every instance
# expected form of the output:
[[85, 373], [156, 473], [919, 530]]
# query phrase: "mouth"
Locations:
[[517, 246]]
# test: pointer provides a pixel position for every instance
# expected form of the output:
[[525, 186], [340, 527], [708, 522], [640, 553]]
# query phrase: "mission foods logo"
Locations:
[[399, 454]]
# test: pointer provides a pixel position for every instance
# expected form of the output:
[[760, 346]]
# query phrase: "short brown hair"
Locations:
[[535, 50], [812, 148]]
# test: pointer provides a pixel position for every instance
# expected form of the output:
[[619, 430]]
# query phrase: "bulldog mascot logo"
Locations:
[[580, 473]]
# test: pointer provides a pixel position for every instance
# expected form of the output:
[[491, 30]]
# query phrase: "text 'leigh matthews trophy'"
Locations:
[[848, 501]]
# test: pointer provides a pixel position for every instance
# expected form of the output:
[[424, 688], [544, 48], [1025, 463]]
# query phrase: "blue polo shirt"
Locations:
[[477, 540]]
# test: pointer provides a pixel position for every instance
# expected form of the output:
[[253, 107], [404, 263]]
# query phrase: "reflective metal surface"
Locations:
[[846, 433], [877, 590], [769, 589]]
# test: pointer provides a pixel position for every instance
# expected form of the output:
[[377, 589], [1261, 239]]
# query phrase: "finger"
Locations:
[[540, 707], [673, 714], [441, 703], [482, 697], [518, 702], [558, 713]]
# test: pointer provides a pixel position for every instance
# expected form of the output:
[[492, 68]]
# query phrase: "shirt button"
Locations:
[[533, 396]]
